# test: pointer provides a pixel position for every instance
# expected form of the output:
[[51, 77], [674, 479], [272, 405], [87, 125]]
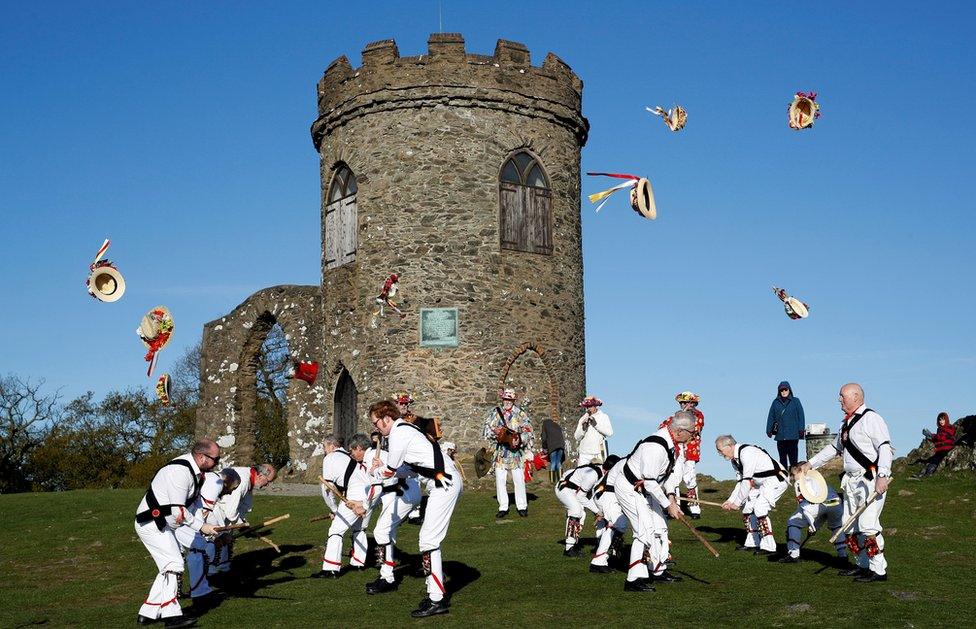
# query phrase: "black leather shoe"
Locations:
[[145, 620], [668, 577], [523, 513], [381, 586], [871, 577], [429, 608], [640, 585], [856, 571], [326, 574], [600, 569], [572, 552], [175, 622], [501, 514], [695, 516], [788, 559]]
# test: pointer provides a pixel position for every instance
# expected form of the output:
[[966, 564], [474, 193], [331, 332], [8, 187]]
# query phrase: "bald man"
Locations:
[[865, 444]]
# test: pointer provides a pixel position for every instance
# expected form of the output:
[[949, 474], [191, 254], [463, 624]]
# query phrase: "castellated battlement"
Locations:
[[449, 76]]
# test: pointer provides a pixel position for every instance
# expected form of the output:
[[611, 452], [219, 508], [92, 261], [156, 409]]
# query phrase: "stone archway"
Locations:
[[345, 415], [229, 364], [528, 371]]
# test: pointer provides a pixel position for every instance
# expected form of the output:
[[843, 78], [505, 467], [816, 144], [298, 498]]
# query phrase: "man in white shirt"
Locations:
[[761, 481], [163, 509], [233, 508], [865, 444], [347, 472], [575, 491], [645, 482], [591, 431], [412, 453]]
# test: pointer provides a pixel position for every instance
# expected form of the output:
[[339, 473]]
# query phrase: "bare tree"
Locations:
[[26, 417]]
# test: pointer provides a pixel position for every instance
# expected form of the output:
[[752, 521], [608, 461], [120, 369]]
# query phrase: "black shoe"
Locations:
[[871, 577], [572, 552], [145, 620], [668, 577], [523, 512], [179, 621], [416, 521], [640, 585], [856, 571], [788, 559], [745, 548], [762, 552], [501, 514], [600, 569], [326, 574], [429, 608], [695, 516], [381, 586]]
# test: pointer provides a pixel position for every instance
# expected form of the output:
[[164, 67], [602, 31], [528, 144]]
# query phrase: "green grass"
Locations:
[[73, 559]]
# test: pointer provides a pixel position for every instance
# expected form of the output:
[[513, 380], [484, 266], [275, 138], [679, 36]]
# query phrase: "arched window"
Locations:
[[525, 205], [341, 216]]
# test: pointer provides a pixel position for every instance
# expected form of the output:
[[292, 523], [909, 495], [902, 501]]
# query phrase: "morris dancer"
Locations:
[[234, 507], [162, 510], [811, 516], [610, 538], [575, 491], [509, 457], [413, 453], [592, 429], [347, 472], [645, 482], [397, 497], [865, 445], [691, 451], [761, 481], [200, 551]]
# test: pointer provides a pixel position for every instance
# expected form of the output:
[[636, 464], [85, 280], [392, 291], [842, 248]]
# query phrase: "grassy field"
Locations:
[[73, 559]]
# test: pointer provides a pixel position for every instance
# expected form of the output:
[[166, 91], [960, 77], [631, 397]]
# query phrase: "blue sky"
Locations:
[[181, 132]]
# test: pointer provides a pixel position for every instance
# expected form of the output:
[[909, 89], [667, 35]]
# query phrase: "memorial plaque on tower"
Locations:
[[438, 327]]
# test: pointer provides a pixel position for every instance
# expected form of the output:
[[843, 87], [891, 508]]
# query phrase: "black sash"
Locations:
[[777, 470], [601, 487], [870, 467], [436, 473], [566, 483], [632, 478], [157, 512], [350, 470]]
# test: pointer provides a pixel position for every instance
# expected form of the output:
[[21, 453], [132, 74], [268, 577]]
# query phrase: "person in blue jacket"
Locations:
[[786, 423]]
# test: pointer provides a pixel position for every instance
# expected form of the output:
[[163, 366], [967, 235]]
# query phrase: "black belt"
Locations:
[[568, 484]]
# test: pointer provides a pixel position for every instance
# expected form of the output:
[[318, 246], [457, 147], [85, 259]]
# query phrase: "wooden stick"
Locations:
[[701, 502], [333, 489], [459, 464], [275, 520], [270, 543], [319, 518], [698, 535], [231, 527], [851, 520]]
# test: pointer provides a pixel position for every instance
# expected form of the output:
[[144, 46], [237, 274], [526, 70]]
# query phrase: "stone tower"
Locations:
[[460, 173]]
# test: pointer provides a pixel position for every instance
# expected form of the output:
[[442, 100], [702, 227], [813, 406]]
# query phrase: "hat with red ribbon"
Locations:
[[590, 401], [155, 330]]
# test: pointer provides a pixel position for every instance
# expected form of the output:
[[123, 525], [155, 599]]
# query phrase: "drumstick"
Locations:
[[851, 520], [698, 535]]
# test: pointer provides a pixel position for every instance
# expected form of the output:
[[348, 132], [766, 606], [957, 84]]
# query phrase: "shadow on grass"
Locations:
[[253, 571], [726, 533], [459, 575]]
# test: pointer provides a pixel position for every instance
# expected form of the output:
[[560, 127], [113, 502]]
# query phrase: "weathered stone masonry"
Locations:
[[426, 137]]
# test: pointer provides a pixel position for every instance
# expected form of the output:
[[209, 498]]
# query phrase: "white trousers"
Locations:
[[809, 516], [757, 506], [574, 509], [650, 532], [689, 475], [162, 601], [615, 524], [501, 488], [345, 520], [857, 488], [440, 506], [395, 509], [585, 458]]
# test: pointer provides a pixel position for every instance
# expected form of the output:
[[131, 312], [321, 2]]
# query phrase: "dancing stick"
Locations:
[[698, 535], [701, 502], [270, 543], [851, 520], [319, 518]]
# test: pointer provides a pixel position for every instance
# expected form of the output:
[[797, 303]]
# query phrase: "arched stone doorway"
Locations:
[[345, 412], [528, 372]]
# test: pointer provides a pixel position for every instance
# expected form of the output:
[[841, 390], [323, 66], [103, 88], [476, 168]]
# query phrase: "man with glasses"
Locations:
[[412, 453], [691, 451], [761, 481], [645, 482], [234, 507], [165, 508]]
